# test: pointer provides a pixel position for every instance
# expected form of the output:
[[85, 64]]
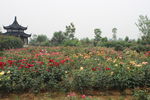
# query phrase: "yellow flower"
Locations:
[[111, 73], [132, 62], [144, 63], [114, 60], [2, 73], [81, 68], [128, 68], [116, 64], [138, 65]]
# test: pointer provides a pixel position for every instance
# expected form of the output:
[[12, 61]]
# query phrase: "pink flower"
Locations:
[[83, 96], [71, 94], [19, 68]]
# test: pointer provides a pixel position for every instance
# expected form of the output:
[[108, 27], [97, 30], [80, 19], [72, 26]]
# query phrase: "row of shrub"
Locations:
[[58, 79], [10, 42], [87, 69], [121, 45]]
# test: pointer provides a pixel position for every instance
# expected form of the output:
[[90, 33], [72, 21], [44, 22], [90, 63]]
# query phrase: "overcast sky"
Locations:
[[49, 16]]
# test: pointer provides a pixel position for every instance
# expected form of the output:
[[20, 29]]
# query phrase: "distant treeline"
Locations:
[[67, 38]]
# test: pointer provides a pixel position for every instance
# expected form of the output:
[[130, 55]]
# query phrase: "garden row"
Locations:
[[37, 69]]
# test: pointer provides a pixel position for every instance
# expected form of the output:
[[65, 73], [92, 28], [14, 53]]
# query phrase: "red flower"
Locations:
[[10, 62], [30, 65], [62, 61], [56, 63], [107, 68], [41, 63], [21, 65], [27, 67], [94, 69], [48, 70], [147, 53], [51, 60]]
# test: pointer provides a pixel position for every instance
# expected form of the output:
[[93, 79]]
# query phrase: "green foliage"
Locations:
[[70, 31], [63, 38], [118, 45], [10, 42], [126, 39], [141, 95], [144, 27], [0, 31], [98, 37], [114, 31], [74, 42], [73, 68], [35, 81], [58, 38], [140, 48], [86, 42], [39, 40], [82, 80]]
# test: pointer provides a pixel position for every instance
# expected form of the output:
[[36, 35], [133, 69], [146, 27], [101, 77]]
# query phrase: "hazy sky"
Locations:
[[48, 16]]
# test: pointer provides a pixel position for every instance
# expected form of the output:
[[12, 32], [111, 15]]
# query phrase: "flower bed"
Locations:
[[80, 69]]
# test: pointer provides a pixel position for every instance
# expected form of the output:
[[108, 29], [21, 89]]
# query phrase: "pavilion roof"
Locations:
[[15, 26]]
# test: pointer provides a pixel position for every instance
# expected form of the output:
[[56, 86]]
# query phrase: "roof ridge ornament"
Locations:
[[15, 21], [16, 18]]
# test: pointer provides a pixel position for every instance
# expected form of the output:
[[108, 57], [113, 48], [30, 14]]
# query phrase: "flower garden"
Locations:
[[68, 69]]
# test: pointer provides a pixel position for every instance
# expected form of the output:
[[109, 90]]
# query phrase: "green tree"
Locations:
[[144, 28], [0, 31], [104, 39], [126, 39], [98, 37], [42, 38], [114, 31], [33, 40], [58, 38], [70, 31], [86, 41], [39, 40]]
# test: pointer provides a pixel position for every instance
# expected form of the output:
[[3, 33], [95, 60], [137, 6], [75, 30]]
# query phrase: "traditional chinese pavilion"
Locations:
[[17, 30]]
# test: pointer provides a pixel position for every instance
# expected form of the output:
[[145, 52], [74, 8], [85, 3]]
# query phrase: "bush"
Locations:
[[119, 47], [141, 48], [74, 42], [111, 44], [10, 42], [82, 80]]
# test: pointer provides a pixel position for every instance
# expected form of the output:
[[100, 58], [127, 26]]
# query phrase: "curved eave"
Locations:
[[15, 27], [17, 34]]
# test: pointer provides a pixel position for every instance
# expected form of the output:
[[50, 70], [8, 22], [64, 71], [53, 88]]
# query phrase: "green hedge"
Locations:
[[141, 48], [10, 42]]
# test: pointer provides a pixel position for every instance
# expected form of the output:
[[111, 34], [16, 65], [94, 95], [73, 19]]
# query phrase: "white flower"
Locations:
[[81, 68], [2, 73], [66, 72]]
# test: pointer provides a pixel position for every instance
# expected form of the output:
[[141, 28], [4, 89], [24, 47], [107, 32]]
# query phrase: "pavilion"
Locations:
[[17, 30]]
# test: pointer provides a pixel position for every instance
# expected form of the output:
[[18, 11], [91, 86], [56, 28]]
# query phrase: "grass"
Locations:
[[62, 96]]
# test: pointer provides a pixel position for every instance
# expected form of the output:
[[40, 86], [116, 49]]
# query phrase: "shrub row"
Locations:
[[10, 42]]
